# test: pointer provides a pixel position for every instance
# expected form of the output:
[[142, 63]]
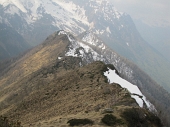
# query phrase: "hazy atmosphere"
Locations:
[[84, 63], [153, 12]]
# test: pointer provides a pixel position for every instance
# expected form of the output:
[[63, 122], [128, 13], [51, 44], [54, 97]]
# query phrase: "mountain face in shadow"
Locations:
[[11, 43]]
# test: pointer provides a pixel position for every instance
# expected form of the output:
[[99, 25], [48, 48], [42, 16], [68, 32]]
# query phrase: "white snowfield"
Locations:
[[133, 89], [63, 14]]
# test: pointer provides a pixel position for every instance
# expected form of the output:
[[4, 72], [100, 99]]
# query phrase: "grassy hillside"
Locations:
[[66, 96], [41, 89]]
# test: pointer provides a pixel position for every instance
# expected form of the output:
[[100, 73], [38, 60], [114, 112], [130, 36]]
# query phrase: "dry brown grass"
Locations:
[[81, 93], [42, 91]]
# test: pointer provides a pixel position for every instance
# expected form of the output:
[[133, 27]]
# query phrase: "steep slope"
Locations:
[[157, 36], [11, 43], [48, 84], [120, 33], [44, 55]]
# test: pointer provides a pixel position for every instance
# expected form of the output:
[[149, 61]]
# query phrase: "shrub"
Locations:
[[111, 120], [132, 116], [111, 66], [154, 119], [138, 118], [77, 122], [4, 122]]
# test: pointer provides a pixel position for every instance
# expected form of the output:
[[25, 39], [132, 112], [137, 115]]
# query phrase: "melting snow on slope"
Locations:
[[78, 45], [75, 11], [133, 89], [15, 2], [102, 46], [90, 41], [108, 30], [89, 38]]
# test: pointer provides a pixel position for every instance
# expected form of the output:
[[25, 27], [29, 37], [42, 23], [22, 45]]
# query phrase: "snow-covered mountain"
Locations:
[[100, 17], [27, 16], [91, 48]]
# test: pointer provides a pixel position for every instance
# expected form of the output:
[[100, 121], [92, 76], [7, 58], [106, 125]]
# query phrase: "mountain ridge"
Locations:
[[56, 93], [42, 18], [43, 64]]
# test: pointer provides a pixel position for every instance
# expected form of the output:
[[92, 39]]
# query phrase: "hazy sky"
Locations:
[[155, 12]]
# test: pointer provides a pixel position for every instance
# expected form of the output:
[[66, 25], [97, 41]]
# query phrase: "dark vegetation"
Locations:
[[111, 120], [77, 122], [137, 118], [5, 122]]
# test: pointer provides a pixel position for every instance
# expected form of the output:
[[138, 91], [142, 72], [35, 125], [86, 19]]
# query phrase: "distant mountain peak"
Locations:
[[16, 3], [62, 13]]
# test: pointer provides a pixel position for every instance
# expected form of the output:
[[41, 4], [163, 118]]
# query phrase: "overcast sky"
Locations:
[[153, 12]]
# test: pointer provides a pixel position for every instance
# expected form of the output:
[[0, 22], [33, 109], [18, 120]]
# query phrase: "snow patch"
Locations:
[[102, 31], [108, 30], [89, 38], [62, 32], [75, 11], [102, 46], [133, 89], [59, 58], [79, 49], [117, 13], [12, 10]]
